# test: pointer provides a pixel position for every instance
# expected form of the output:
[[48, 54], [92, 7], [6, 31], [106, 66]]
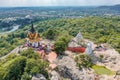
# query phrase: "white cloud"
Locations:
[[57, 2]]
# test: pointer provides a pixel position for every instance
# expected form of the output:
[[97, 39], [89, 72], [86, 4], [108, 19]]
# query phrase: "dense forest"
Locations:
[[25, 15], [22, 67], [96, 29]]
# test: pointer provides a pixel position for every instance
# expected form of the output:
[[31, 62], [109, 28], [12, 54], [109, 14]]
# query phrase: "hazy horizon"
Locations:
[[40, 3]]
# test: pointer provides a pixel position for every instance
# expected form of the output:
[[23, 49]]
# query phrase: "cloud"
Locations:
[[4, 3]]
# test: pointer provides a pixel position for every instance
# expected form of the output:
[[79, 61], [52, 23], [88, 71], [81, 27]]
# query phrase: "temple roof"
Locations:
[[32, 30], [32, 35]]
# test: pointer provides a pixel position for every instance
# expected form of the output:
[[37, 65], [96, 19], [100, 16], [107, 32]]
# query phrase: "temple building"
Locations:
[[33, 37]]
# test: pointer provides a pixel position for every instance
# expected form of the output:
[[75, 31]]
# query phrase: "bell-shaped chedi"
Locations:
[[89, 49]]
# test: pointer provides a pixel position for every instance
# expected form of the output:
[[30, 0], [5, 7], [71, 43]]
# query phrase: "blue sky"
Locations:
[[14, 3]]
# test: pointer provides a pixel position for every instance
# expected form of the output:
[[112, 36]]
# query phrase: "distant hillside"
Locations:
[[115, 7], [97, 29]]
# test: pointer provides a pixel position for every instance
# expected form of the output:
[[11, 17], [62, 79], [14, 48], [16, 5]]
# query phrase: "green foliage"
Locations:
[[3, 44], [22, 67], [35, 66], [62, 42], [29, 53], [51, 34], [64, 36], [8, 43], [8, 58], [13, 69], [83, 61], [60, 47], [26, 76], [97, 29], [101, 56]]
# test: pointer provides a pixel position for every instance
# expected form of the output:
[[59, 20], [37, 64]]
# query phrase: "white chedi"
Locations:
[[88, 49], [75, 42], [78, 37]]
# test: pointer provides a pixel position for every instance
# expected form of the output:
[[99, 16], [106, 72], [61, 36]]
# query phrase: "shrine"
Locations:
[[79, 45], [33, 38]]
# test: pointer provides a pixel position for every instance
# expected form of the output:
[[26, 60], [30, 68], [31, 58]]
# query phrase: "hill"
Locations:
[[114, 7], [97, 29], [28, 63]]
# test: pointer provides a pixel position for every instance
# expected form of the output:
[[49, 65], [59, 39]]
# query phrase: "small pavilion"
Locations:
[[33, 37]]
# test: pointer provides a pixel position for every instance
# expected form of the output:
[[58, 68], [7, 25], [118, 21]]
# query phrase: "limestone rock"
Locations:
[[55, 76], [38, 77], [67, 69]]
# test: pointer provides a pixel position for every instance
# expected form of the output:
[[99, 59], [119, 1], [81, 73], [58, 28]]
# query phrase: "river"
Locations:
[[12, 30]]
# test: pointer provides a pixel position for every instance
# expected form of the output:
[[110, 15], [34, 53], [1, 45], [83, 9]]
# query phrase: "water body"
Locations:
[[12, 30]]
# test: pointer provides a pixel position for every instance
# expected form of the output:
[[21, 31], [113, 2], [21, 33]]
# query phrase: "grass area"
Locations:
[[102, 70]]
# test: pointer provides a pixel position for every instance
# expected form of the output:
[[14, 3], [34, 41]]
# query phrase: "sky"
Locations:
[[22, 3]]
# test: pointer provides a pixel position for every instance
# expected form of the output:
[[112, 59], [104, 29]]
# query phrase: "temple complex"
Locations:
[[79, 45], [33, 38], [44, 47]]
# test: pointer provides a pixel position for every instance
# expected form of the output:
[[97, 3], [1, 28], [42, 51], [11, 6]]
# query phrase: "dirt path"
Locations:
[[14, 51]]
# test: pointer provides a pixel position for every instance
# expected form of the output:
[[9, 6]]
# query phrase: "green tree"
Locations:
[[29, 53], [13, 70], [60, 47], [26, 76], [36, 66], [62, 42], [83, 61], [51, 33]]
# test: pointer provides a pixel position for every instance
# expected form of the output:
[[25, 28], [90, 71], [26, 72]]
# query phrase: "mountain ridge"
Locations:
[[113, 7]]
